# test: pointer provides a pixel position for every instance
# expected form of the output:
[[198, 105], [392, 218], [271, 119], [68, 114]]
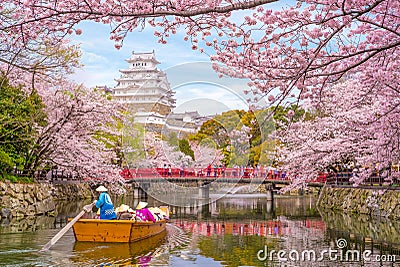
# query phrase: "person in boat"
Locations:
[[105, 204], [143, 213], [158, 214], [124, 212]]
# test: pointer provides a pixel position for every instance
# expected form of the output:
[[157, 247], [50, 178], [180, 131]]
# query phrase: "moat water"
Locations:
[[236, 230]]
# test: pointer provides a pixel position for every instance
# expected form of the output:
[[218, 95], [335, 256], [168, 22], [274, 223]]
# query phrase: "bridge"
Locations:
[[209, 181], [250, 175], [274, 183], [204, 176], [144, 177]]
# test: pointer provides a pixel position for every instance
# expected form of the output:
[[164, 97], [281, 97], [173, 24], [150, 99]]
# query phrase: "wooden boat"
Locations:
[[119, 231], [96, 230]]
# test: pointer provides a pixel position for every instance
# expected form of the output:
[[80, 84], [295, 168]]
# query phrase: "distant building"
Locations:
[[188, 122], [147, 91], [145, 88]]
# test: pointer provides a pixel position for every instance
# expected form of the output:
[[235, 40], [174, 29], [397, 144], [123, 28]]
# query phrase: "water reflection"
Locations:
[[228, 232], [140, 252], [64, 210], [379, 229], [237, 228], [365, 232]]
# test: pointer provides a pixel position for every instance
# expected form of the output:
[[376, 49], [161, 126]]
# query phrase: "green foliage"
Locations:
[[16, 179], [281, 114], [173, 139], [265, 152], [215, 130], [185, 148], [20, 113], [133, 142], [6, 162], [262, 123], [113, 141]]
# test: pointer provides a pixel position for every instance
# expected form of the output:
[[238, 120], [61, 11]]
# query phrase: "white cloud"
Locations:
[[93, 59]]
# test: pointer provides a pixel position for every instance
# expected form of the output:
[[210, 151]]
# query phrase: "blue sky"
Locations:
[[189, 72]]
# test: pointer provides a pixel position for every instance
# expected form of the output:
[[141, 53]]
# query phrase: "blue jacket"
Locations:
[[106, 207]]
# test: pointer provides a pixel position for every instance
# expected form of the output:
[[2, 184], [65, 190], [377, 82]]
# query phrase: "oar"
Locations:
[[86, 208]]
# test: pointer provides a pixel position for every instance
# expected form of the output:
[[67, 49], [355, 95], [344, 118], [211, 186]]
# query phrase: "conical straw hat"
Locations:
[[101, 189], [122, 208], [141, 205]]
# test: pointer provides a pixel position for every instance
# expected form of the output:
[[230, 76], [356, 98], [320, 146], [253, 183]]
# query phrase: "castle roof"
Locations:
[[145, 57]]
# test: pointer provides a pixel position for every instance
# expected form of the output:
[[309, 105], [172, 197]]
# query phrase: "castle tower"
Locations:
[[145, 88]]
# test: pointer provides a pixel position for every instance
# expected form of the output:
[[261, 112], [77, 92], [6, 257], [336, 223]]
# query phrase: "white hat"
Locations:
[[157, 211], [122, 208], [101, 189], [141, 205]]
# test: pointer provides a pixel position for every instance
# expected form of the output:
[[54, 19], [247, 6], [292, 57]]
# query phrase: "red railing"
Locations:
[[207, 173]]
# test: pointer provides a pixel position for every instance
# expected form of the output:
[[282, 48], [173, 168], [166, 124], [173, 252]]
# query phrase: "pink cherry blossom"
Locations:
[[340, 59]]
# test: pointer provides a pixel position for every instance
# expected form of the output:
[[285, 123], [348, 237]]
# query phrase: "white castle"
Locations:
[[147, 90]]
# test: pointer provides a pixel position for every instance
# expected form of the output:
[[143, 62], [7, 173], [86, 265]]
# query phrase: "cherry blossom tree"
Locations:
[[63, 17], [205, 154], [74, 133], [294, 50], [355, 127], [78, 120], [159, 152], [42, 56], [146, 149], [300, 52]]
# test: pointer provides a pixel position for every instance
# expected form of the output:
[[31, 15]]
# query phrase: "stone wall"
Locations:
[[385, 203], [20, 200]]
